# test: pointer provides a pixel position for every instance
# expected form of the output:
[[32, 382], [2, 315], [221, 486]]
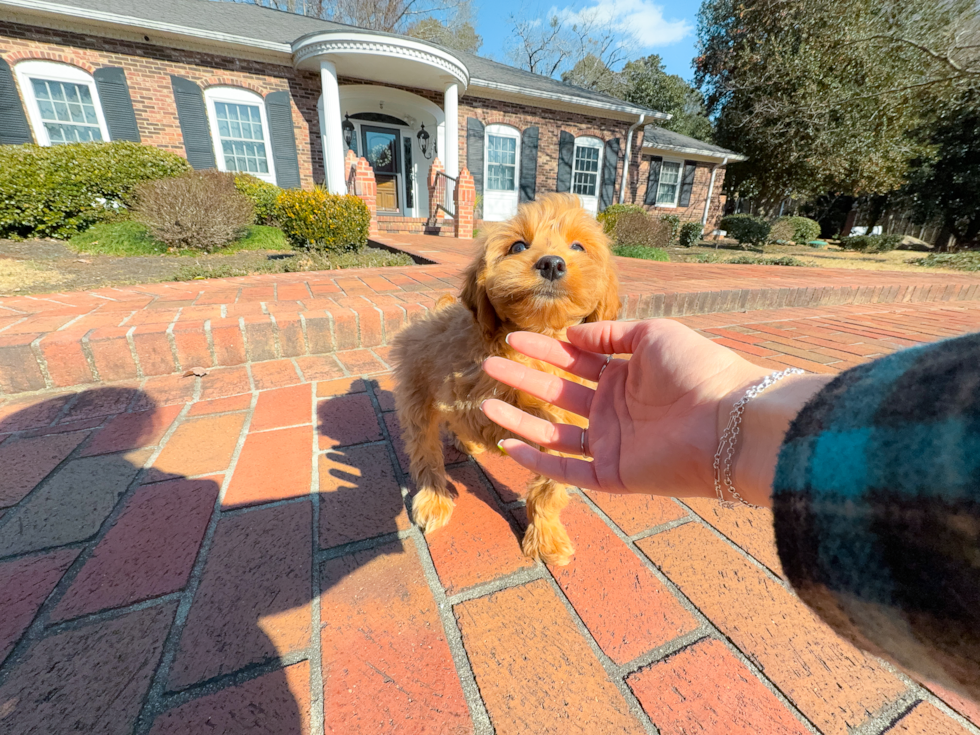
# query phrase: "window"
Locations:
[[585, 167], [240, 131], [670, 179], [501, 163], [62, 103]]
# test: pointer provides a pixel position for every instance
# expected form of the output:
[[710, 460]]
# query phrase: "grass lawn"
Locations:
[[639, 251], [131, 238]]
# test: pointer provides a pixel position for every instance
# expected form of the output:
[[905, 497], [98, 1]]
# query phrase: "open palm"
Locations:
[[653, 419]]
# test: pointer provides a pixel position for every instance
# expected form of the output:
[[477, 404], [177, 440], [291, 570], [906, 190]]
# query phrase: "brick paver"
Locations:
[[225, 554]]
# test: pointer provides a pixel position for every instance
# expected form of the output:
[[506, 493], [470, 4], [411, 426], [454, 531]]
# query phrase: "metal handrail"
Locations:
[[446, 202]]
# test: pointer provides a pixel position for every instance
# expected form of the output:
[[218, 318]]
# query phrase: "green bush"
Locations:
[[746, 229], [754, 260], [805, 229], [201, 210], [782, 231], [690, 234], [318, 220], [968, 261], [871, 243], [610, 215], [59, 191], [673, 222], [641, 230], [639, 251], [263, 196]]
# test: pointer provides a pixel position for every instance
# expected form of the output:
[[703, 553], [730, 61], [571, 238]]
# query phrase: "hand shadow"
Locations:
[[97, 555]]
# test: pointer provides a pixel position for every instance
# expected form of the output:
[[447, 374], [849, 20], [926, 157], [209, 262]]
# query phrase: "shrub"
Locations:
[[746, 229], [871, 243], [641, 230], [201, 210], [805, 229], [263, 196], [690, 234], [637, 251], [672, 221], [782, 231], [609, 216], [754, 260], [319, 220], [968, 261], [59, 191]]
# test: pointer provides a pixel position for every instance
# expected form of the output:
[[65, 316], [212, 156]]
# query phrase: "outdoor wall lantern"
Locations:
[[348, 128], [423, 136]]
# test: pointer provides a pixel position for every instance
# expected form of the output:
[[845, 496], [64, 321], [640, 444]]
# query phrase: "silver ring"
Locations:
[[581, 443], [604, 366]]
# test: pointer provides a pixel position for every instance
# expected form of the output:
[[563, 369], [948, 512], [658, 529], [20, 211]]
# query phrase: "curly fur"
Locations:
[[438, 359]]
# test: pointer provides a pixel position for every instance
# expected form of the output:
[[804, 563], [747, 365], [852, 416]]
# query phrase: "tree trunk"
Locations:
[[942, 239]]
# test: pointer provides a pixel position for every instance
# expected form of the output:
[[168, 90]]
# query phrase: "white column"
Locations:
[[451, 106], [333, 136]]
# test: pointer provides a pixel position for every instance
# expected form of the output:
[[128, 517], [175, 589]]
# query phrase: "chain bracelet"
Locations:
[[729, 437]]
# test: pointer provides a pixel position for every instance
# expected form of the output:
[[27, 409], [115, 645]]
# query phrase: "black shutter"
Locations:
[[280, 113], [566, 152], [687, 185], [653, 180], [117, 105], [14, 129], [529, 164], [193, 116], [475, 152], [610, 159]]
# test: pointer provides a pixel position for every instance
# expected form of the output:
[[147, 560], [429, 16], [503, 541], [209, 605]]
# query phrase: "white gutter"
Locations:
[[567, 98], [711, 186], [626, 159]]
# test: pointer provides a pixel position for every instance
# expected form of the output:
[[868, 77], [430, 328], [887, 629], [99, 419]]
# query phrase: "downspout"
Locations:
[[626, 160], [711, 186]]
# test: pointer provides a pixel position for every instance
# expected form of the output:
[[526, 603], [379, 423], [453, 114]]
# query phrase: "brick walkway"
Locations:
[[139, 332], [233, 554]]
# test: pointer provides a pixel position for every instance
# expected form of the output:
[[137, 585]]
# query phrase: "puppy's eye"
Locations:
[[577, 246], [518, 247]]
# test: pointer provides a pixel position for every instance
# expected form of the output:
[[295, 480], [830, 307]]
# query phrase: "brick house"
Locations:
[[288, 98]]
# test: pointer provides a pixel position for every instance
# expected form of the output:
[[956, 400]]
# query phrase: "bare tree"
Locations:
[[563, 42]]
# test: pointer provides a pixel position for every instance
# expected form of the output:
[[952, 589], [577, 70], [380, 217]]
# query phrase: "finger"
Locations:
[[570, 471], [558, 391], [609, 337], [560, 437], [560, 354]]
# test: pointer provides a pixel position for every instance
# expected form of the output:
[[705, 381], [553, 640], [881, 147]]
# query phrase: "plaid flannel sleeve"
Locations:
[[877, 509]]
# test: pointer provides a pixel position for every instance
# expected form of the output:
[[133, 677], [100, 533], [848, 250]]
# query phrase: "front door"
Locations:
[[381, 151]]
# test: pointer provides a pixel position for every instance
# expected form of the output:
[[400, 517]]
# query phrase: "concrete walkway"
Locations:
[[232, 554]]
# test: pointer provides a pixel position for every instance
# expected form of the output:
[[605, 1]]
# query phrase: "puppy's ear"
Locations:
[[608, 307], [475, 298]]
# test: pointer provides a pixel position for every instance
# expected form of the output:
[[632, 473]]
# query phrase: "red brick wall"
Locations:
[[695, 210], [550, 123]]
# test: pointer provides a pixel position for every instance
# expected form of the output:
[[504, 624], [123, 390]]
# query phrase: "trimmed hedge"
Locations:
[[611, 214], [690, 234], [59, 191], [319, 220], [673, 222], [263, 196], [871, 243], [746, 229]]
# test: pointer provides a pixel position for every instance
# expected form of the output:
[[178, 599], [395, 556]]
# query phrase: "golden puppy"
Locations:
[[546, 269]]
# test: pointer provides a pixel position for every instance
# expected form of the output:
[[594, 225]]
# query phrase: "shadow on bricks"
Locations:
[[130, 603]]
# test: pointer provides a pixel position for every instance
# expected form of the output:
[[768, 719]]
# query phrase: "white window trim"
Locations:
[[237, 95], [680, 183], [55, 72], [589, 141], [501, 130]]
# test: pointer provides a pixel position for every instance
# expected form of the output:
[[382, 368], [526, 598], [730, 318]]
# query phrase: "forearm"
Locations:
[[764, 424]]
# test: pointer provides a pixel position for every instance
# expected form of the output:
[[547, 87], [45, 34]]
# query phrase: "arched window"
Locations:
[[586, 165], [62, 103], [502, 172], [240, 131]]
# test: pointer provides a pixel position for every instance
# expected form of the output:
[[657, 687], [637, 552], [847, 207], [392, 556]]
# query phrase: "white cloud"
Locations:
[[641, 21]]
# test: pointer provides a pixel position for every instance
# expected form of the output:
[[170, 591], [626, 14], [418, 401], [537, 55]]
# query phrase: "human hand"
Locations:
[[654, 420]]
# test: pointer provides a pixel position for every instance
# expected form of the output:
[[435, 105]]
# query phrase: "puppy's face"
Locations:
[[546, 269]]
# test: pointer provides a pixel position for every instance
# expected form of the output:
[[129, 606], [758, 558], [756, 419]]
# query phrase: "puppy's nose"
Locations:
[[552, 267]]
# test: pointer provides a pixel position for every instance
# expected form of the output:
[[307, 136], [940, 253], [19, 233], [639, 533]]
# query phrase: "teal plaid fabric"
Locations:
[[877, 508]]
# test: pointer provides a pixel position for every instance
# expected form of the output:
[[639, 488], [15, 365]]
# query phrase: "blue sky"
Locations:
[[668, 28]]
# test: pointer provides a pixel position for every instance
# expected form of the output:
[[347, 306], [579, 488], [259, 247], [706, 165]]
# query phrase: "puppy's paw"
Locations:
[[431, 510], [549, 543]]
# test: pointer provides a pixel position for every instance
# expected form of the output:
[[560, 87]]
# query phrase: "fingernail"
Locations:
[[482, 404], [507, 338], [500, 446]]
